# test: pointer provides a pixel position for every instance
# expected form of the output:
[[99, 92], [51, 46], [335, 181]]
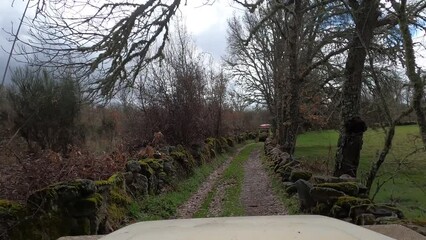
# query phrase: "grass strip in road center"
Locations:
[[234, 176]]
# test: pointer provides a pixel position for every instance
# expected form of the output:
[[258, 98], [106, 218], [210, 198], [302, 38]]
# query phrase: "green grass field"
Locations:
[[407, 190]]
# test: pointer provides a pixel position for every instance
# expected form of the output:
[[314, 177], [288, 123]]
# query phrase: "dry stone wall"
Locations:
[[339, 197], [87, 207]]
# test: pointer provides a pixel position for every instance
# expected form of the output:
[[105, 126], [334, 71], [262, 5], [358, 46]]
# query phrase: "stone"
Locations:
[[339, 212], [152, 184], [285, 174], [349, 188], [388, 219], [300, 174], [146, 169], [347, 177], [128, 177], [290, 188], [157, 155], [386, 210], [376, 210], [343, 205], [133, 166], [329, 179], [322, 209], [365, 219], [140, 184], [362, 190], [303, 191], [347, 202], [280, 167], [168, 167], [87, 187], [86, 207], [326, 195]]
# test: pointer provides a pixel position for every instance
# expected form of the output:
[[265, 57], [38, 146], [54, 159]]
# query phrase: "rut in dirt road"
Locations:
[[257, 195]]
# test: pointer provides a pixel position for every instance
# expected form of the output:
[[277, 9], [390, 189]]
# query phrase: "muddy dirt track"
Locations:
[[257, 195]]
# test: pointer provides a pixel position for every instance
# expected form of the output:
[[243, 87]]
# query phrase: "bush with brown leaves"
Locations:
[[34, 172]]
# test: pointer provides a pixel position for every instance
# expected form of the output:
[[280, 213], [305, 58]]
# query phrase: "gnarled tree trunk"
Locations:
[[350, 142]]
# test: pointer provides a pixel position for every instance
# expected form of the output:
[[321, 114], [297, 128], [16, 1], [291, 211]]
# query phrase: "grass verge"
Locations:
[[234, 175], [407, 190], [291, 203], [164, 206], [203, 212]]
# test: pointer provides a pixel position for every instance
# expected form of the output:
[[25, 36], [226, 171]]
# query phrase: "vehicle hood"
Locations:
[[245, 228]]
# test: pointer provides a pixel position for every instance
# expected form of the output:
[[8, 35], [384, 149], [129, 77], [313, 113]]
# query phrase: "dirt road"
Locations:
[[257, 196]]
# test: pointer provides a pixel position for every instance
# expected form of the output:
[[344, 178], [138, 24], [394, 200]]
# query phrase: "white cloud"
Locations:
[[208, 24]]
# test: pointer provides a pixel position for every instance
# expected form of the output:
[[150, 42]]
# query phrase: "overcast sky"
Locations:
[[207, 24]]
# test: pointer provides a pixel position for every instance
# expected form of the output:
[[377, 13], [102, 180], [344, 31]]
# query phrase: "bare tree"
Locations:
[[276, 61], [365, 16], [412, 70], [109, 41]]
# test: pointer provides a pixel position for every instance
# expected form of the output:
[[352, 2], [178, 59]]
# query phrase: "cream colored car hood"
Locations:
[[245, 228]]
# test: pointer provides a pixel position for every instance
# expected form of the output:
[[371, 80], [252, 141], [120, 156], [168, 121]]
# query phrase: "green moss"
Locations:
[[9, 208], [297, 174], [155, 164], [116, 214], [322, 194], [102, 183], [211, 142], [343, 205], [116, 178], [321, 208], [347, 201], [184, 158], [350, 188], [146, 169], [119, 196], [96, 199]]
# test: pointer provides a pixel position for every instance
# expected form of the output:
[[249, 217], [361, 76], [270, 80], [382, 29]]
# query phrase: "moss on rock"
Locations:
[[184, 158], [146, 169], [155, 164], [347, 202], [299, 174], [321, 209], [350, 188], [11, 209], [323, 194]]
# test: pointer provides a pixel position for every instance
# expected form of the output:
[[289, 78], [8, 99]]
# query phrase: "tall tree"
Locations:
[[275, 50], [411, 68], [365, 17]]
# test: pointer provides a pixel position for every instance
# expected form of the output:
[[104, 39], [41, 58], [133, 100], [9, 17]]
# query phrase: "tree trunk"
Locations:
[[410, 62], [291, 98], [291, 126], [350, 142]]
